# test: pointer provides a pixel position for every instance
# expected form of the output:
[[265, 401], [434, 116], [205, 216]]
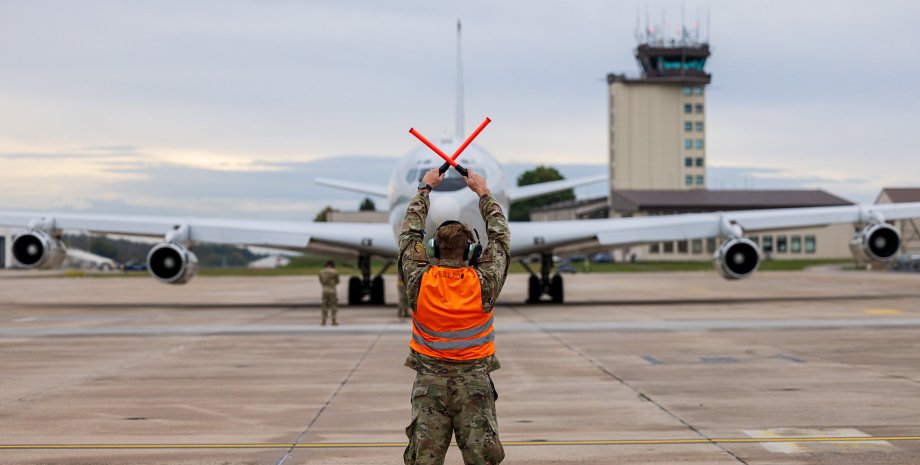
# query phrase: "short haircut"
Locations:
[[330, 263], [453, 238]]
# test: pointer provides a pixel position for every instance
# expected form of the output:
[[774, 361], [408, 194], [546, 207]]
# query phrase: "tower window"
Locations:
[[688, 180], [698, 91], [688, 91], [699, 108], [699, 143], [688, 126], [688, 162], [688, 108], [699, 162], [699, 126], [699, 180], [688, 144]]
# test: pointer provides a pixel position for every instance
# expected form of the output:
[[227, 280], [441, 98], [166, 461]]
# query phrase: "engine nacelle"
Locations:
[[876, 242], [37, 249], [172, 263], [737, 258]]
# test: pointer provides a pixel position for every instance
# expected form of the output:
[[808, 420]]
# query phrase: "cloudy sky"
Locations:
[[229, 107]]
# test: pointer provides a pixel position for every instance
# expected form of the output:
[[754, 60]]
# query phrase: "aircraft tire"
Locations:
[[377, 291], [533, 290], [556, 290], [354, 291]]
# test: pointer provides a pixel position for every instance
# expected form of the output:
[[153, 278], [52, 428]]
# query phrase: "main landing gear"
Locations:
[[365, 290], [544, 285]]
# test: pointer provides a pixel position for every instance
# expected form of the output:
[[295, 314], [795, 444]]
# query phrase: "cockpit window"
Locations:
[[452, 182]]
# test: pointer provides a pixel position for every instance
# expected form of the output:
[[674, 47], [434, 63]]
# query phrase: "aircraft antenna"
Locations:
[[459, 130]]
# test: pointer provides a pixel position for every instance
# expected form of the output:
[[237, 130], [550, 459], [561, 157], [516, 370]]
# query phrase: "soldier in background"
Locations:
[[452, 348], [403, 301], [329, 279]]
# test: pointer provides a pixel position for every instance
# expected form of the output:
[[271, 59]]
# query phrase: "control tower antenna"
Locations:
[[708, 22], [459, 116]]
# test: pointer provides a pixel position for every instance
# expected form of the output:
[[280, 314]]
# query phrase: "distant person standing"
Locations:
[[403, 300], [329, 279]]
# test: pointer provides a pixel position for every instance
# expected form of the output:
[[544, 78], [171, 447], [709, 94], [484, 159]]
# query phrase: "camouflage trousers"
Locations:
[[330, 305], [463, 405]]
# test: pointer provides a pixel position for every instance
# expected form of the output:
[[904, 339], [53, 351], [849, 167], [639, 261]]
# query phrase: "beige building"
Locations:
[[657, 121]]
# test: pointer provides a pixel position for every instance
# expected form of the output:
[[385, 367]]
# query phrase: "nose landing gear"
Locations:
[[364, 289], [544, 284]]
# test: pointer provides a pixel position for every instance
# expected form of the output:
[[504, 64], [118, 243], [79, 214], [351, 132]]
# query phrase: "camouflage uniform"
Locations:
[[403, 301], [453, 396], [329, 279]]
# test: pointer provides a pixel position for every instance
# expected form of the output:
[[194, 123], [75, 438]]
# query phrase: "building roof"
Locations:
[[901, 194], [564, 204], [715, 200]]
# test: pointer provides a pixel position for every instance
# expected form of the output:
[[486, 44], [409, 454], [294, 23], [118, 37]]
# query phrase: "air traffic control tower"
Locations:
[[657, 120]]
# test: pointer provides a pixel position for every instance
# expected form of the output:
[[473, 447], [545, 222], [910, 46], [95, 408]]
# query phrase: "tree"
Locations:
[[367, 205], [323, 214], [520, 211]]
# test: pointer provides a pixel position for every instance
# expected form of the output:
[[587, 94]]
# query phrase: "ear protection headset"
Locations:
[[473, 249]]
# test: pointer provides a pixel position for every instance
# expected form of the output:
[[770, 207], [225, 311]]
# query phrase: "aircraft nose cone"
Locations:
[[442, 209]]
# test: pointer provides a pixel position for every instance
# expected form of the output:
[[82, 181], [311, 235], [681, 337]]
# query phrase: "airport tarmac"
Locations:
[[651, 368]]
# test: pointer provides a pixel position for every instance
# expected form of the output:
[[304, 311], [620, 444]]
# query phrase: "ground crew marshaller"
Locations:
[[452, 348], [329, 279]]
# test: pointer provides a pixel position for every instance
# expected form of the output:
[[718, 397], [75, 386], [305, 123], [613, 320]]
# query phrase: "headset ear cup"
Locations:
[[431, 248], [473, 252]]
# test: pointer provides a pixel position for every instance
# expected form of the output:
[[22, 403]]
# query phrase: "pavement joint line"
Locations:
[[322, 409], [368, 445], [622, 381]]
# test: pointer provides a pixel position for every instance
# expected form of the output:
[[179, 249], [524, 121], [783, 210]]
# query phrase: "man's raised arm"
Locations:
[[493, 266], [412, 233]]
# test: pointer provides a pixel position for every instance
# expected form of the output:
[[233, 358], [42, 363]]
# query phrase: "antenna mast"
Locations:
[[459, 116]]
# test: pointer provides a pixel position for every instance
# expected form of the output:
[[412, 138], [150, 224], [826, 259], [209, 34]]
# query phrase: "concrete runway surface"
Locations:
[[658, 368]]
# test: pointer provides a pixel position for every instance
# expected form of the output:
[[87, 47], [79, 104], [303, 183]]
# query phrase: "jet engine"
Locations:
[[37, 249], [172, 263], [877, 242], [737, 258]]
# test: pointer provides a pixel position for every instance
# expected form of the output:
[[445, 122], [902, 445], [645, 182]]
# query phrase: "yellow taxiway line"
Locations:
[[343, 445]]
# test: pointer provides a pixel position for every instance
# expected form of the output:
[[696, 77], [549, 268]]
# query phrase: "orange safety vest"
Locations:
[[449, 321]]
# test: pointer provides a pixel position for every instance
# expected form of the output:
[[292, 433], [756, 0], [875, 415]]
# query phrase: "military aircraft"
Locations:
[[172, 261]]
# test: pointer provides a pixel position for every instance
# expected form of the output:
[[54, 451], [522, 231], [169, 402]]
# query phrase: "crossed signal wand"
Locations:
[[452, 160]]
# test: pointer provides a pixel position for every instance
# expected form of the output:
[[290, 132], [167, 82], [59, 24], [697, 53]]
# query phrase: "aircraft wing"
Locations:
[[374, 238], [543, 188], [360, 187], [538, 236]]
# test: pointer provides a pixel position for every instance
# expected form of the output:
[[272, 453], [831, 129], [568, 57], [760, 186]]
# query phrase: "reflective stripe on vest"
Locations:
[[449, 321], [453, 345]]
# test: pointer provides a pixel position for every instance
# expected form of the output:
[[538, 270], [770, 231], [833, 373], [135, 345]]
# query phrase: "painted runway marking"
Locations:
[[789, 358], [718, 360], [828, 437], [600, 442], [883, 311], [652, 360]]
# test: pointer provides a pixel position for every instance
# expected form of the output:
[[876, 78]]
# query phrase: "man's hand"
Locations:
[[433, 178], [477, 184]]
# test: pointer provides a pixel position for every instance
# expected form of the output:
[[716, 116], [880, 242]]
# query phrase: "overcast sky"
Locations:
[[226, 107]]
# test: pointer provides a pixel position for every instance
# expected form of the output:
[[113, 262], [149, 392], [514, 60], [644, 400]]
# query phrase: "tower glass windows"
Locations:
[[699, 143], [688, 91], [688, 144], [699, 126], [699, 162], [688, 126], [699, 180], [688, 180], [688, 108], [698, 91], [688, 162], [698, 107]]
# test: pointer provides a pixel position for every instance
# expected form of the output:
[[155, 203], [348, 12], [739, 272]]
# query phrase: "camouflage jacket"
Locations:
[[328, 278], [492, 270]]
